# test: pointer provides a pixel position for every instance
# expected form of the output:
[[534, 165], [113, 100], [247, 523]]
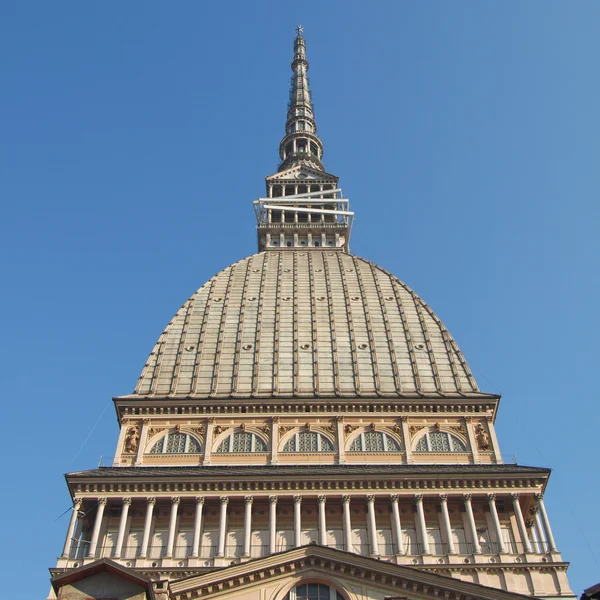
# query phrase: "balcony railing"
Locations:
[[80, 549]]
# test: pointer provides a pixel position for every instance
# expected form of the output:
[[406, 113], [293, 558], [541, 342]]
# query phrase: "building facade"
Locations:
[[306, 427]]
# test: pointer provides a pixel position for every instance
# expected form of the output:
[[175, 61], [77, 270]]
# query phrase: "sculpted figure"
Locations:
[[483, 437], [132, 439]]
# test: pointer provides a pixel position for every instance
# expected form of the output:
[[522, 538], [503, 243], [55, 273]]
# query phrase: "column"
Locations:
[[446, 524], [71, 529], [471, 519], [97, 526], [495, 445], [297, 521], [272, 524], [541, 537], [494, 511], [150, 502], [535, 541], [341, 439], [521, 522], [122, 525], [406, 438], [546, 522], [322, 521], [347, 523], [372, 525], [121, 442], [172, 526], [222, 526], [472, 440], [247, 524], [396, 525], [274, 441], [139, 459], [210, 425], [421, 524], [197, 526]]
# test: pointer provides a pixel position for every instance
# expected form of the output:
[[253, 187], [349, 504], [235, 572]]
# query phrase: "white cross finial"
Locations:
[[299, 29]]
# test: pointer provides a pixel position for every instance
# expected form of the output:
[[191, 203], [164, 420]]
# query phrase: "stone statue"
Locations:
[[132, 439], [483, 437]]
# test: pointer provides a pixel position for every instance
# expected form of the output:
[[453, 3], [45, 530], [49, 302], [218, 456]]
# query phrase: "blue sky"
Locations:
[[134, 137]]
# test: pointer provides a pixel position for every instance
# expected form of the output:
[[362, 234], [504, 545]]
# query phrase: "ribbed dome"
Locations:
[[314, 323]]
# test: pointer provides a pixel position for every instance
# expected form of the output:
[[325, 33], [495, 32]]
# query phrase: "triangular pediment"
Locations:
[[303, 171], [356, 575]]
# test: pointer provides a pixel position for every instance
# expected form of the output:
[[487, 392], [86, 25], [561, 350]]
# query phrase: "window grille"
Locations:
[[242, 442], [308, 441], [439, 441], [176, 443]]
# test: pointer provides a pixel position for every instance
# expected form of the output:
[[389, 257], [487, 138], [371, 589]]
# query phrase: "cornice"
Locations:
[[335, 562]]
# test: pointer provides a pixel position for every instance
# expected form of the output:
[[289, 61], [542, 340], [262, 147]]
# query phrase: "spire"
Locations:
[[300, 143]]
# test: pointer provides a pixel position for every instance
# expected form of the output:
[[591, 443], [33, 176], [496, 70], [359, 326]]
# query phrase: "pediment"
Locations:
[[302, 171], [358, 576]]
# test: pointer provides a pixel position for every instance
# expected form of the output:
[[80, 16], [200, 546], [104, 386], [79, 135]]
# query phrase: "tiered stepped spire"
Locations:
[[304, 207]]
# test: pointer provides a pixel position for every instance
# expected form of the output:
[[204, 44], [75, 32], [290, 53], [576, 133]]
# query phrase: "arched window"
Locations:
[[313, 591], [440, 441], [176, 443], [242, 442], [308, 441], [374, 441]]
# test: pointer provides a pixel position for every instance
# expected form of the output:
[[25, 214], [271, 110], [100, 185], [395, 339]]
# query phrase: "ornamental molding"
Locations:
[[414, 429], [503, 485], [404, 580]]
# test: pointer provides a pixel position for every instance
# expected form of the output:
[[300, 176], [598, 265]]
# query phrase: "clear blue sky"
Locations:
[[135, 135]]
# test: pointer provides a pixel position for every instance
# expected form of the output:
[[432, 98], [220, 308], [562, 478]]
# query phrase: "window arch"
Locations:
[[176, 443], [308, 441], [313, 591], [440, 441], [241, 441], [374, 441]]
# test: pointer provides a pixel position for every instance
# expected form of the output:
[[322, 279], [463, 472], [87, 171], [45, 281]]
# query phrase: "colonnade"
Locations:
[[538, 523]]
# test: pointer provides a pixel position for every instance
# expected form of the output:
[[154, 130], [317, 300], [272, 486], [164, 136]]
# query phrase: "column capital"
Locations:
[[419, 497], [370, 498], [404, 418], [529, 523], [489, 418], [200, 499], [339, 418], [77, 503], [533, 510], [151, 500], [102, 501], [224, 499], [467, 497], [491, 497], [538, 496], [345, 499], [321, 499], [145, 421], [127, 500], [468, 419], [443, 497], [175, 499], [248, 499], [515, 496], [273, 499], [394, 498], [297, 499]]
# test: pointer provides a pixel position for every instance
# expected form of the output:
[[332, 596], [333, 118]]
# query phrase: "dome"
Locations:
[[298, 324]]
